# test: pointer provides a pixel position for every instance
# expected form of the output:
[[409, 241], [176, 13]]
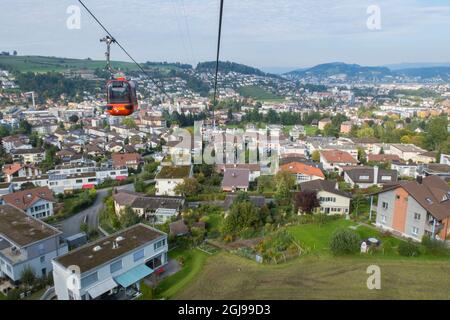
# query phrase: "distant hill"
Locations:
[[355, 72], [227, 66], [42, 64], [429, 72], [337, 68], [416, 65]]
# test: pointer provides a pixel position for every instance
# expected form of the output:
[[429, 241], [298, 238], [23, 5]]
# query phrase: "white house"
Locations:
[[332, 200], [26, 243], [169, 177], [36, 202], [111, 266]]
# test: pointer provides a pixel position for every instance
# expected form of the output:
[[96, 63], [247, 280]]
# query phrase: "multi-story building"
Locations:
[[111, 266], [406, 152], [36, 202], [27, 156], [416, 208], [26, 243]]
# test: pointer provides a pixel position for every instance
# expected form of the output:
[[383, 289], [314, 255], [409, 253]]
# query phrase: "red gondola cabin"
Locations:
[[122, 98]]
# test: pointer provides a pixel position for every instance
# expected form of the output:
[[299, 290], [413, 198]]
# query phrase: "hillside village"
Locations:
[[123, 199]]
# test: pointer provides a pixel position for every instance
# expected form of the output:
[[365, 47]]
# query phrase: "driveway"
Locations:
[[71, 225]]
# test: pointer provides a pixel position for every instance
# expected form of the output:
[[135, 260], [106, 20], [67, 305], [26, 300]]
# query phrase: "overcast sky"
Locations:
[[261, 33]]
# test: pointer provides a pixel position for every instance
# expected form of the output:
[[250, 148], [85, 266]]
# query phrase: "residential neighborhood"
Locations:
[[144, 168]]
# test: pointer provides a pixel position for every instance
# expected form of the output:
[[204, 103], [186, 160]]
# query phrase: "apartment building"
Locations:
[[26, 242], [416, 208], [111, 267], [27, 156]]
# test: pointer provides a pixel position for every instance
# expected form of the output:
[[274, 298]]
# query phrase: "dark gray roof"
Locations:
[[325, 185], [356, 173], [258, 201], [140, 200], [236, 178]]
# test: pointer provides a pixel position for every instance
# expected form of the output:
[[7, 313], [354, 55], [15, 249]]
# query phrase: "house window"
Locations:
[[417, 216], [159, 244], [415, 231], [115, 266], [397, 197], [363, 177], [138, 255], [383, 219], [385, 205], [42, 259], [88, 280], [79, 181], [386, 178]]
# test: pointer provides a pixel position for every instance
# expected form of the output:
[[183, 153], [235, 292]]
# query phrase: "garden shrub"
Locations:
[[434, 247], [248, 233], [345, 241], [408, 249]]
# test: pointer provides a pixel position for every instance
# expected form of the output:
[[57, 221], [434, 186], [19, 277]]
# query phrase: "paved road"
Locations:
[[71, 225]]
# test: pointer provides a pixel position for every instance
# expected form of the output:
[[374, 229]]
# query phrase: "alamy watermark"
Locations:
[[374, 280], [373, 22], [212, 147], [73, 22]]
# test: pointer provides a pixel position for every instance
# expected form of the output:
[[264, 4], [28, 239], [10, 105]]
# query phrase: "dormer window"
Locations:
[[444, 198]]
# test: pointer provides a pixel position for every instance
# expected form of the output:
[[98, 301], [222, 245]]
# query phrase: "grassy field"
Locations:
[[45, 64], [193, 264], [320, 275], [258, 93], [226, 276]]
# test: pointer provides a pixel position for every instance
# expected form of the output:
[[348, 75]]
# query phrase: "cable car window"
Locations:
[[119, 92]]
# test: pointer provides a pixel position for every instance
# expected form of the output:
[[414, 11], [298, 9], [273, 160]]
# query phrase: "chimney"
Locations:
[[375, 175], [419, 179]]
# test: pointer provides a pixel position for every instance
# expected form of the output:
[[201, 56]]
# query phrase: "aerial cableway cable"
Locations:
[[217, 60], [161, 89]]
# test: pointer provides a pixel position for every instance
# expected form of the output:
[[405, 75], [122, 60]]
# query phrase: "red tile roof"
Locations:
[[9, 169], [26, 198], [383, 157], [338, 156], [124, 159], [301, 168]]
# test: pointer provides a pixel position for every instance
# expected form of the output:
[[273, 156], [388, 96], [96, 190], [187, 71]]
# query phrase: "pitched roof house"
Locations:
[[334, 159], [332, 200], [236, 179], [157, 209], [302, 171], [130, 160], [416, 208], [365, 177], [37, 202]]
